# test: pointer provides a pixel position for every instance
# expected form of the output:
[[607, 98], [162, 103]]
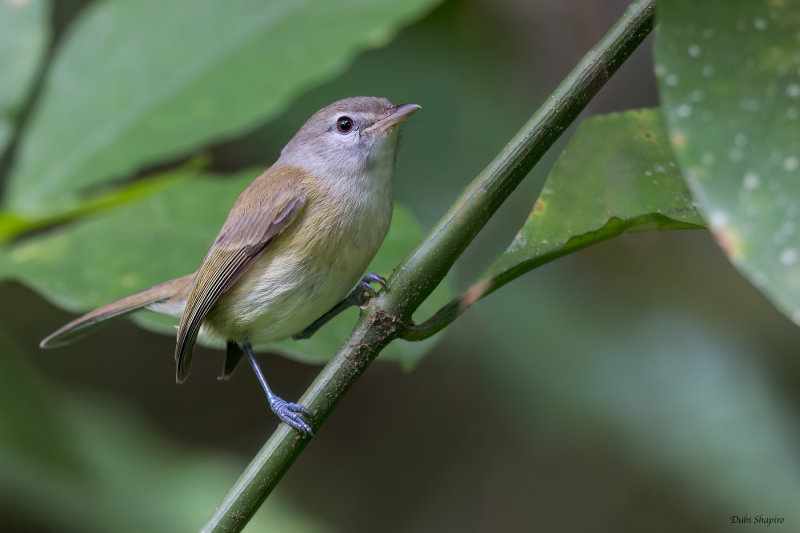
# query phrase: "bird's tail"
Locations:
[[174, 289]]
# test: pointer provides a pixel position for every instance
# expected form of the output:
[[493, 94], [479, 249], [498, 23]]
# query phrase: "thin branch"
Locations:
[[424, 268], [453, 309]]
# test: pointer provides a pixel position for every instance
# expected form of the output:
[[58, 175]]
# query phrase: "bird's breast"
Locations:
[[308, 268]]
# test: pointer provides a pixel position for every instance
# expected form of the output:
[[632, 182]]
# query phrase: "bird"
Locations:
[[291, 252]]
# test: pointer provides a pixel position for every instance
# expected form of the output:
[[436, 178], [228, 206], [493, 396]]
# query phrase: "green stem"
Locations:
[[449, 312], [369, 337], [14, 227], [425, 267]]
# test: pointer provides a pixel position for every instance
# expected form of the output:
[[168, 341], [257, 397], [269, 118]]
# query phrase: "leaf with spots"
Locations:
[[164, 235], [617, 175], [729, 79]]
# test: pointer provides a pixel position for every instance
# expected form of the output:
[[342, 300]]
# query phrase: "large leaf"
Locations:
[[729, 78], [616, 175], [441, 147], [24, 33], [139, 81], [96, 466], [165, 235]]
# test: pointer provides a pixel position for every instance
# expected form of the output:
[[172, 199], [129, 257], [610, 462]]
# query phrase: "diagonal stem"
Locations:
[[480, 289], [425, 267]]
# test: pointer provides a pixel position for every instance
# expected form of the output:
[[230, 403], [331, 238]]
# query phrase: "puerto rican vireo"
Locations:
[[294, 244]]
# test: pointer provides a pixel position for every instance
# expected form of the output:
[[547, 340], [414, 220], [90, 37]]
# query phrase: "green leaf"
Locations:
[[617, 175], [5, 132], [24, 33], [13, 226], [116, 252], [165, 235], [96, 466], [729, 79], [139, 81]]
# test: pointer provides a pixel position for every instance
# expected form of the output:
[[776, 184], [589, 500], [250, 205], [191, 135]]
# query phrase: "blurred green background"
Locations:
[[641, 384]]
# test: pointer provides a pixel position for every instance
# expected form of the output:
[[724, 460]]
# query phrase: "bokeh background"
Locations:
[[639, 385]]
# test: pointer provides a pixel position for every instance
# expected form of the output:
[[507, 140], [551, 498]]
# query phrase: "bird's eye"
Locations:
[[344, 124]]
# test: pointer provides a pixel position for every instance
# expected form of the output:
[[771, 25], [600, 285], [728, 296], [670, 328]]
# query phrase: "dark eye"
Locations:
[[344, 124]]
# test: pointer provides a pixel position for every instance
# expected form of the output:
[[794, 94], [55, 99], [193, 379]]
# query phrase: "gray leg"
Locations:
[[290, 413]]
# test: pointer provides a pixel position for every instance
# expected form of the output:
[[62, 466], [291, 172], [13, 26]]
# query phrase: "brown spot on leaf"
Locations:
[[730, 242], [473, 294], [678, 140]]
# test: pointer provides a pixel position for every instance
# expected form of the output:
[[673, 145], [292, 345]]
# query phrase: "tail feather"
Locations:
[[82, 325]]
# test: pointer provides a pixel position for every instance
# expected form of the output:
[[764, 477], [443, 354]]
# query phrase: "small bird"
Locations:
[[294, 244]]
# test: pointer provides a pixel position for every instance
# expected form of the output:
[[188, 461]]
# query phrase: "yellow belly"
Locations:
[[303, 272]]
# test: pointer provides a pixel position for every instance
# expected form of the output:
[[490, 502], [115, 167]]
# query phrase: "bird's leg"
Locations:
[[362, 294], [291, 413]]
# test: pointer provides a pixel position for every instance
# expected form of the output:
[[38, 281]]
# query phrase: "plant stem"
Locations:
[[425, 267], [450, 311], [370, 336]]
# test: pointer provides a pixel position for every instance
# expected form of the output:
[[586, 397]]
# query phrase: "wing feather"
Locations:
[[263, 210], [123, 306]]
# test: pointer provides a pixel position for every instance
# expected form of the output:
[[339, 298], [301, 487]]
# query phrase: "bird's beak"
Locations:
[[396, 115]]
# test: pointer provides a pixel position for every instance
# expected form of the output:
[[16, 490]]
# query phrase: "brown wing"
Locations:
[[263, 210]]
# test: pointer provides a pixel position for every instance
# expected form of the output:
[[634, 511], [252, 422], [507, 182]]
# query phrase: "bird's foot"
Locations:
[[360, 296], [292, 414], [364, 291]]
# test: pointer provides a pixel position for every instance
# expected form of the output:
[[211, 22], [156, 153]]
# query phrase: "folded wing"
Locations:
[[263, 210]]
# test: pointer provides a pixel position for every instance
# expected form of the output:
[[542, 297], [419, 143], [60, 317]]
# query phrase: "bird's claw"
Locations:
[[292, 415], [359, 296], [366, 291]]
